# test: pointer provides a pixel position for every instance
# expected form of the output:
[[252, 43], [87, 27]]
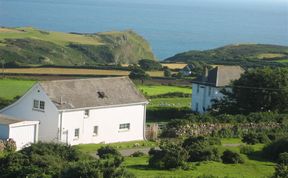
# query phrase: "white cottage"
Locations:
[[98, 110], [207, 88], [22, 132]]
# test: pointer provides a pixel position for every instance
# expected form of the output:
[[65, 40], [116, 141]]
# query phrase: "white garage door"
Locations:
[[23, 135]]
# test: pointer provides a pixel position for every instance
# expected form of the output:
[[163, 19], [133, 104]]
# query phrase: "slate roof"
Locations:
[[221, 76], [93, 92], [7, 120]]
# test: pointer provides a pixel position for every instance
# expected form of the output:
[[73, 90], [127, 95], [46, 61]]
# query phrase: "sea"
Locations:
[[170, 26]]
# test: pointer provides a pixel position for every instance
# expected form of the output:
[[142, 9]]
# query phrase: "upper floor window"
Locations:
[[39, 105], [86, 113]]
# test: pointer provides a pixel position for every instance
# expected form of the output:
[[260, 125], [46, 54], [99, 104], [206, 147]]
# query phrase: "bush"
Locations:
[[201, 149], [254, 138], [147, 64], [283, 158], [137, 154], [247, 150], [105, 151], [2, 146], [281, 171], [83, 169], [274, 149], [10, 145], [169, 156], [230, 157]]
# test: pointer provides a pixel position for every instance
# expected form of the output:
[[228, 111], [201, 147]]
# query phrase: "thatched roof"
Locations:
[[92, 92], [221, 76]]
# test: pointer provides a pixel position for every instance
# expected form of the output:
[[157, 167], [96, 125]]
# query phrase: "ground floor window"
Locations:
[[125, 126], [95, 130], [76, 133]]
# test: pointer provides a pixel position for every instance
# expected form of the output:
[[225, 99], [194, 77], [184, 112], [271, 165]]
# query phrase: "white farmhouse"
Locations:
[[22, 132], [98, 110], [207, 88]]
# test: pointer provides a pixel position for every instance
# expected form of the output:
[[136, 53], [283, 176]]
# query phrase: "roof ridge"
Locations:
[[91, 78]]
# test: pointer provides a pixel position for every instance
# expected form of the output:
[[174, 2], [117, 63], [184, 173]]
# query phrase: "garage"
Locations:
[[22, 132]]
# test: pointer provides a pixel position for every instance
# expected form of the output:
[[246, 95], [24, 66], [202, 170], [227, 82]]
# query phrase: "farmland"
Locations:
[[73, 72], [152, 90], [10, 88]]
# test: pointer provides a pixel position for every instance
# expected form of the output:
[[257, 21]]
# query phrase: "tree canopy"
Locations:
[[148, 65], [258, 90]]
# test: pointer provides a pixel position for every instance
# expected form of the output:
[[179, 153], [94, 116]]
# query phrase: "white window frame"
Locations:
[[95, 128], [38, 105], [124, 127], [76, 136]]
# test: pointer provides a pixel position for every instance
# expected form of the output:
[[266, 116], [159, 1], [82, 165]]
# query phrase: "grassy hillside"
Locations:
[[260, 53], [29, 46]]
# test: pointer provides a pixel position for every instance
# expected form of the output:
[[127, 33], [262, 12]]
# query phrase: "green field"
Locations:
[[10, 88], [283, 61], [170, 102], [252, 168], [152, 90]]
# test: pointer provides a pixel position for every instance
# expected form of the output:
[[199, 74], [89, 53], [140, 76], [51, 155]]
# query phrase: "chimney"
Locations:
[[61, 100], [205, 74]]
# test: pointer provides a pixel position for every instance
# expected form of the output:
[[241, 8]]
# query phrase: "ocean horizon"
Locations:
[[169, 26]]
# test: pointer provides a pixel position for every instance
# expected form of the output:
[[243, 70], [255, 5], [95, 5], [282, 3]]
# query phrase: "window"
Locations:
[[86, 113], [39, 105], [76, 133], [125, 126], [42, 105], [209, 91], [198, 87], [36, 104], [197, 107], [95, 130]]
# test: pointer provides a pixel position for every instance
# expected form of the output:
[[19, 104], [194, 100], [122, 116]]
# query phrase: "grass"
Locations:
[[174, 65], [282, 61], [10, 88], [152, 90], [251, 168], [92, 148], [67, 71], [170, 102]]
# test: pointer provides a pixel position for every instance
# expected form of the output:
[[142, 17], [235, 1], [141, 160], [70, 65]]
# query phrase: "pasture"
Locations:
[[69, 71], [170, 102], [152, 90], [10, 88]]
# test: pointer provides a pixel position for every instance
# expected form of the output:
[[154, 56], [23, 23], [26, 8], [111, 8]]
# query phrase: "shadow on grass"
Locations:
[[258, 156], [140, 167]]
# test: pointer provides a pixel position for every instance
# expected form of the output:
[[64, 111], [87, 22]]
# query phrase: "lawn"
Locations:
[[170, 102], [282, 60], [250, 169], [152, 90], [9, 88]]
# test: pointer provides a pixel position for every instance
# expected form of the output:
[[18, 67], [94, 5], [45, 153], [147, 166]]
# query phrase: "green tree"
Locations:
[[258, 90], [167, 72], [148, 65], [138, 73]]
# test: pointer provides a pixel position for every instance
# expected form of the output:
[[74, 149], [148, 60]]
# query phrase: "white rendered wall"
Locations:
[[108, 121], [203, 97], [23, 135], [23, 110]]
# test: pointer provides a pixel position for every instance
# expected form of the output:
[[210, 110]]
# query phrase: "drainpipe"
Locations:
[[60, 136], [144, 124]]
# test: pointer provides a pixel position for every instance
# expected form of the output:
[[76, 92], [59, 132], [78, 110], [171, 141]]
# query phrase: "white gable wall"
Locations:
[[202, 98], [108, 121], [23, 108]]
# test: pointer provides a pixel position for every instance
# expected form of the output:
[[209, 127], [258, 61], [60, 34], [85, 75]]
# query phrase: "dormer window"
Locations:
[[101, 94]]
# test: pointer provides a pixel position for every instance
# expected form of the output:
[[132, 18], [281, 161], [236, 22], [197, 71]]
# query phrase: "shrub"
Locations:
[[274, 149], [137, 154], [10, 145], [254, 138], [283, 158], [230, 157], [247, 150], [281, 171], [83, 169], [200, 149], [2, 145], [169, 156], [104, 151]]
